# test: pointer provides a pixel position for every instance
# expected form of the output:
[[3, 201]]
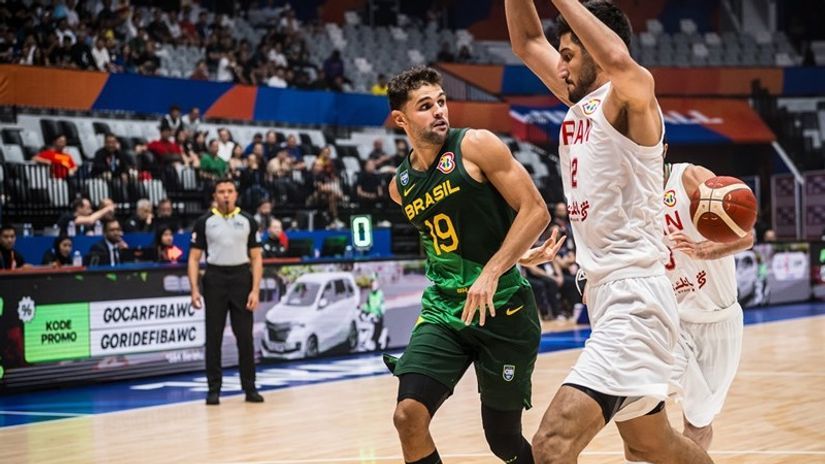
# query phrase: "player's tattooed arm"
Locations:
[[531, 46]]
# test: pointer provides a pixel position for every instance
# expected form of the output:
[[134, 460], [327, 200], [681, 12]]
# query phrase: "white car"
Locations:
[[319, 312]]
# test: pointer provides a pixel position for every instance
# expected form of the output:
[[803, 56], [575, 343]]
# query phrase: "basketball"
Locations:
[[723, 209]]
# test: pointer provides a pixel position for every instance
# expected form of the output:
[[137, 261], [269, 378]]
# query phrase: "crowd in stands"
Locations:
[[117, 37]]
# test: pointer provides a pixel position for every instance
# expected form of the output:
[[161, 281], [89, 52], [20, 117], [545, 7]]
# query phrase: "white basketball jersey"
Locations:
[[613, 188], [703, 288]]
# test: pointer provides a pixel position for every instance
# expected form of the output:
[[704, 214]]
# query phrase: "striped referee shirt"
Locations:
[[226, 239]]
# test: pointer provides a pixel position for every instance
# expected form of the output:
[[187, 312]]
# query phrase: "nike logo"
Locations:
[[407, 190], [512, 311]]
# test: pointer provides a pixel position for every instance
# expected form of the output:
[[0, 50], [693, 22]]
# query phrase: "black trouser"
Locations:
[[226, 289], [546, 292]]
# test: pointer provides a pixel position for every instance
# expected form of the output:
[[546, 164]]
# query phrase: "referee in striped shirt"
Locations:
[[231, 284]]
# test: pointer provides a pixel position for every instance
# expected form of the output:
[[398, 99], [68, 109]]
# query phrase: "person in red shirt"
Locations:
[[166, 149], [62, 163]]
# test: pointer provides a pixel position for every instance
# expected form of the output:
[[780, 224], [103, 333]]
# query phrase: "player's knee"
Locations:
[[411, 417], [549, 446], [506, 445]]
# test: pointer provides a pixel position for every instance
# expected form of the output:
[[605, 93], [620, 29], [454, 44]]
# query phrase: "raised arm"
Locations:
[[531, 46], [632, 83], [512, 181]]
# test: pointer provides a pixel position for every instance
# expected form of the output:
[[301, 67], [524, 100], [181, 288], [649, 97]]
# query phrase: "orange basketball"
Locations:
[[723, 209]]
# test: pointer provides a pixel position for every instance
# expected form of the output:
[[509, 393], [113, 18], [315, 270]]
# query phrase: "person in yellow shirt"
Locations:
[[380, 87]]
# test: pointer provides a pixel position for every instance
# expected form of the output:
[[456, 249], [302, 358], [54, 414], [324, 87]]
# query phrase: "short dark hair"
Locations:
[[606, 12], [107, 224], [78, 202], [7, 227], [224, 180], [400, 86]]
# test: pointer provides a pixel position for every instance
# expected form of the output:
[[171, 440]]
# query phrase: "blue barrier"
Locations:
[[33, 248]]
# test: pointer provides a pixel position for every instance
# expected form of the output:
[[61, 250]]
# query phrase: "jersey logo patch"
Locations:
[[408, 190], [405, 177], [591, 105], [508, 373], [670, 198], [447, 162]]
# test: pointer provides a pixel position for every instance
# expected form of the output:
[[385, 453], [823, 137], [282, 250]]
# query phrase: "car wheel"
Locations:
[[312, 347], [352, 338]]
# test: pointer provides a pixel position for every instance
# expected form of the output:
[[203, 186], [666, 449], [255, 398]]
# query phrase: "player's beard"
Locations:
[[585, 82], [429, 135]]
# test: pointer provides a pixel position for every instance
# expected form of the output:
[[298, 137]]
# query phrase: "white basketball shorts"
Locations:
[[706, 361], [635, 329]]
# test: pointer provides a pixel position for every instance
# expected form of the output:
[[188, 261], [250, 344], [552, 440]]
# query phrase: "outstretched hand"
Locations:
[[545, 252]]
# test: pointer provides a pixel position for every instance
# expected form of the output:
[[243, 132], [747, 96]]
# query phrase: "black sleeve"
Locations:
[[18, 258], [253, 241], [199, 233]]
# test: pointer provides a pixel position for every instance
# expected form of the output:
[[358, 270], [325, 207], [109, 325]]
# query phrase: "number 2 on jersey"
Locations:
[[574, 172], [443, 233]]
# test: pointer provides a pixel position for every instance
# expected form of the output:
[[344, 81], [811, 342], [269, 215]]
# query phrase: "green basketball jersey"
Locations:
[[462, 224]]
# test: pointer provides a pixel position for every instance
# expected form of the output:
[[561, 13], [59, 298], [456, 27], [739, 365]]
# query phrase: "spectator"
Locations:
[[192, 120], [165, 216], [199, 142], [225, 144], [163, 249], [111, 251], [560, 220], [82, 220], [60, 254], [166, 149], [333, 67], [277, 79], [380, 87], [279, 169], [769, 236], [545, 287], [212, 165], [378, 155], [369, 188], [341, 84], [237, 163], [148, 61], [257, 138], [188, 154], [271, 145], [201, 71], [276, 55], [320, 82], [401, 151], [82, 53], [10, 259], [275, 243], [293, 148], [445, 55], [109, 162], [141, 221], [464, 55], [327, 188], [172, 120], [263, 212], [101, 56], [62, 163]]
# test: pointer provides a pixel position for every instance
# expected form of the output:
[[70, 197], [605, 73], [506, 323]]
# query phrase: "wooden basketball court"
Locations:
[[775, 414]]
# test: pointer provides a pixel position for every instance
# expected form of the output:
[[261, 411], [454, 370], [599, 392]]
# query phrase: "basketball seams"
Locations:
[[712, 201]]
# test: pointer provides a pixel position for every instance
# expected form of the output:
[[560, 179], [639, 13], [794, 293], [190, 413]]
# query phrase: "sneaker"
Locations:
[[213, 398], [252, 396]]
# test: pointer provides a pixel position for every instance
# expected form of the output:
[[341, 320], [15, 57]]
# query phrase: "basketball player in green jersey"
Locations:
[[477, 212]]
